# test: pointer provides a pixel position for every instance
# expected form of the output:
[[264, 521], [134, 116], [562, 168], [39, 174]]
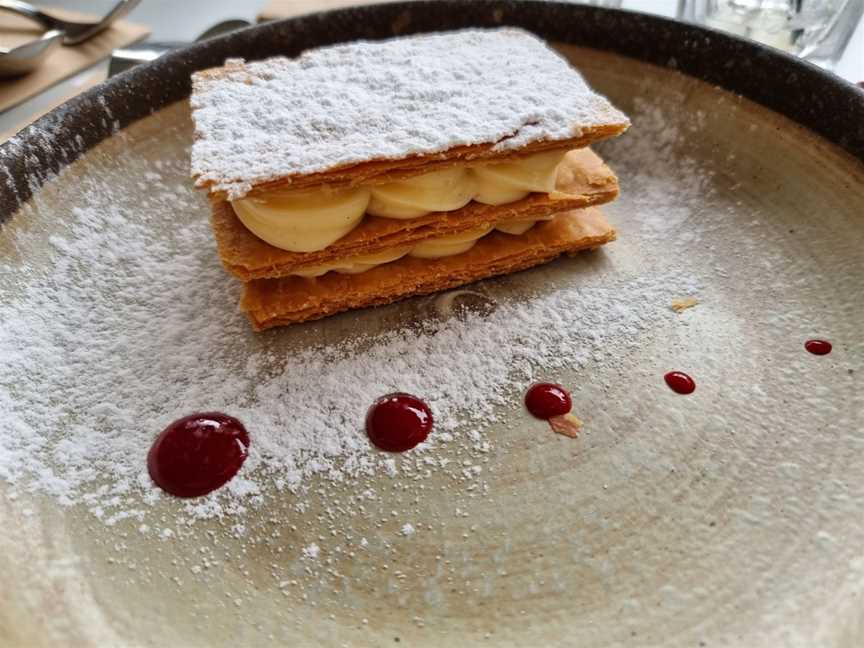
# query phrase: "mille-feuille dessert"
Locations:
[[364, 173]]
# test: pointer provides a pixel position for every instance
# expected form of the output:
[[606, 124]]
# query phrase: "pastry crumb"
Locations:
[[566, 424], [680, 305]]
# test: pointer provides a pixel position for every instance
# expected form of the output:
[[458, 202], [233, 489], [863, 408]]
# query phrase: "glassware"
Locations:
[[817, 30]]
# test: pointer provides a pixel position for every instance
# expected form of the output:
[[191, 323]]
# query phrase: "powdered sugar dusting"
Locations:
[[365, 100], [102, 350]]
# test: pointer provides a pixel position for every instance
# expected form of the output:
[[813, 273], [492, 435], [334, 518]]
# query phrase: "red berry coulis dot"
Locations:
[[680, 382], [545, 400], [398, 422], [198, 453], [818, 347]]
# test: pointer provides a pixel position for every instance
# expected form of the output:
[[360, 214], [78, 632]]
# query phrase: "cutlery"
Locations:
[[73, 32], [17, 61]]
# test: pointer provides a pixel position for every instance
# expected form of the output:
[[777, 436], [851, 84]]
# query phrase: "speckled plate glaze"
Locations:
[[732, 517]]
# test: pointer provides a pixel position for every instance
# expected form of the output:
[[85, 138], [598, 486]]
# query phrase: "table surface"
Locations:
[[168, 23]]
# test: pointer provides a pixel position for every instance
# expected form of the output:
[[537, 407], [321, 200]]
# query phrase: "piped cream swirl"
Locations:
[[446, 190], [499, 184], [354, 265], [303, 221], [449, 245], [309, 220]]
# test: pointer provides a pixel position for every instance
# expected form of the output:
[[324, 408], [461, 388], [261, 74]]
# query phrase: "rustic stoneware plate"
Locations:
[[731, 517]]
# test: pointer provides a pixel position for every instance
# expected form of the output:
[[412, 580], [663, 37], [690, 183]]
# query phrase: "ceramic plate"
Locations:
[[732, 516]]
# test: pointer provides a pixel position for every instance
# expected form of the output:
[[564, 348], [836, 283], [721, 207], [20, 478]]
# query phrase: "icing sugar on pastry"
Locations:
[[417, 131], [260, 121]]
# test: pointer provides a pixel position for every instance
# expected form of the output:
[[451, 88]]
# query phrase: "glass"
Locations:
[[817, 30]]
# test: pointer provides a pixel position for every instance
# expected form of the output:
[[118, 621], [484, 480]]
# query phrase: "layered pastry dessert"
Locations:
[[368, 172]]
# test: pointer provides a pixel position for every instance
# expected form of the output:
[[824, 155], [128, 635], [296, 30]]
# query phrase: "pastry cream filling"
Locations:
[[355, 265], [437, 191], [449, 245], [431, 249], [308, 220], [499, 184], [517, 226], [303, 221]]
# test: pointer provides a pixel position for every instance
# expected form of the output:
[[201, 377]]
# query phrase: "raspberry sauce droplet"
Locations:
[[398, 422], [198, 453], [680, 382], [545, 400], [818, 347]]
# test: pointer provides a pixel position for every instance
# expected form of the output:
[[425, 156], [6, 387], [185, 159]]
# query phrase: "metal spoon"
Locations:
[[74, 32], [27, 57]]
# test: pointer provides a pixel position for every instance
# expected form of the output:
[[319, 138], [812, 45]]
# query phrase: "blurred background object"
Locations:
[[23, 59], [74, 32], [60, 62], [177, 20], [818, 30], [123, 59], [276, 9]]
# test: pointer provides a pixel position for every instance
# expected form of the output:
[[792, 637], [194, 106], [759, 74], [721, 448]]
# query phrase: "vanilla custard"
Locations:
[[429, 249], [354, 265], [499, 184], [303, 221], [449, 245], [309, 220], [515, 227], [446, 190]]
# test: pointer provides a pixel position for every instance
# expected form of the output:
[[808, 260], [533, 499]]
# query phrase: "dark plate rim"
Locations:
[[803, 92]]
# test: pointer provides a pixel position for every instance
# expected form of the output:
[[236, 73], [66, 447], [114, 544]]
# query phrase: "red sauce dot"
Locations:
[[680, 382], [398, 422], [545, 400], [818, 347], [198, 453]]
